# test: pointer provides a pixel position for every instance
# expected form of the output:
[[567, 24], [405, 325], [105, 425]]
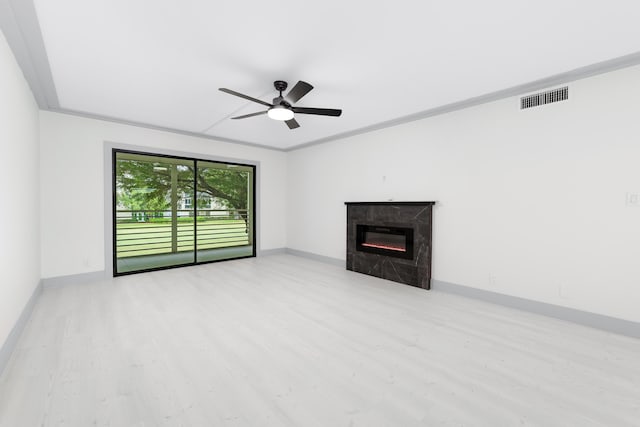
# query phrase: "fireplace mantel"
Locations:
[[391, 203], [414, 270]]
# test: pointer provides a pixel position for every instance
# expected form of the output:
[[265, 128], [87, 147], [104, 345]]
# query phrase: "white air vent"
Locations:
[[542, 98]]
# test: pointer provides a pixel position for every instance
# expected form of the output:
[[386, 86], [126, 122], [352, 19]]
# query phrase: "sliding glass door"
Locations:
[[174, 211]]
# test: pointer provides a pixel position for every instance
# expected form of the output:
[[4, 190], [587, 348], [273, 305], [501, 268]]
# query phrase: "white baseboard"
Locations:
[[586, 318], [10, 343], [316, 257], [55, 282], [268, 252]]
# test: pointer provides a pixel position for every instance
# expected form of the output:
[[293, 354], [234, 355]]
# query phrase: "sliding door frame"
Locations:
[[110, 150]]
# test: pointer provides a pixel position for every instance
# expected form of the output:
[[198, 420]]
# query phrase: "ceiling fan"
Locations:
[[282, 107]]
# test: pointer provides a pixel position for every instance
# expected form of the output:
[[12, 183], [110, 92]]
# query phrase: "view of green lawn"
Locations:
[[154, 237]]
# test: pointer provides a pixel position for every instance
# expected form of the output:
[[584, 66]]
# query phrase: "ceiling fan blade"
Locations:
[[259, 113], [299, 90], [233, 92], [292, 124], [317, 111]]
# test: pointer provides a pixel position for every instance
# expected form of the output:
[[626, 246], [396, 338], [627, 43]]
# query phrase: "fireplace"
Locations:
[[391, 240]]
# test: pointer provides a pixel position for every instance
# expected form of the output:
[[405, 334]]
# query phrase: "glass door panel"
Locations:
[[154, 212], [225, 222]]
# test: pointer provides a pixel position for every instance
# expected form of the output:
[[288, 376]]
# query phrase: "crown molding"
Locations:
[[555, 80], [19, 23]]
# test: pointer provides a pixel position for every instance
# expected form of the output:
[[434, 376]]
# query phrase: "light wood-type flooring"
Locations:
[[286, 341]]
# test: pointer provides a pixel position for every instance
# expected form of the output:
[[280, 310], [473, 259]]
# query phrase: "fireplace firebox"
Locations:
[[390, 241]]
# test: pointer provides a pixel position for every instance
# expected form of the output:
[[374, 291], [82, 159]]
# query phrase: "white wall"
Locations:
[[529, 203], [72, 184], [19, 199]]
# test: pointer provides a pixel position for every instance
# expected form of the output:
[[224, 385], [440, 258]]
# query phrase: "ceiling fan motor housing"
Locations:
[[279, 100], [280, 86]]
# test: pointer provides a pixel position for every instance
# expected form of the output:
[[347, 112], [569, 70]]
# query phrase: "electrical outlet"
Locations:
[[492, 280], [633, 200]]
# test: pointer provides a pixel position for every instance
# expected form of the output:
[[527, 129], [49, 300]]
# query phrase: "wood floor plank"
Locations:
[[286, 341]]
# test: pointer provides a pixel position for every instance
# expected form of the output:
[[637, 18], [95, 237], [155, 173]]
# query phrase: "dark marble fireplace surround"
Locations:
[[417, 215]]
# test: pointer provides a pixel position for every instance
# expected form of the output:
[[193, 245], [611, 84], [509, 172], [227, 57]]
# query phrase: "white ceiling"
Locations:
[[161, 62]]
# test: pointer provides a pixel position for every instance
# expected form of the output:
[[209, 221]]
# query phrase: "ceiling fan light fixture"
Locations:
[[279, 112]]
